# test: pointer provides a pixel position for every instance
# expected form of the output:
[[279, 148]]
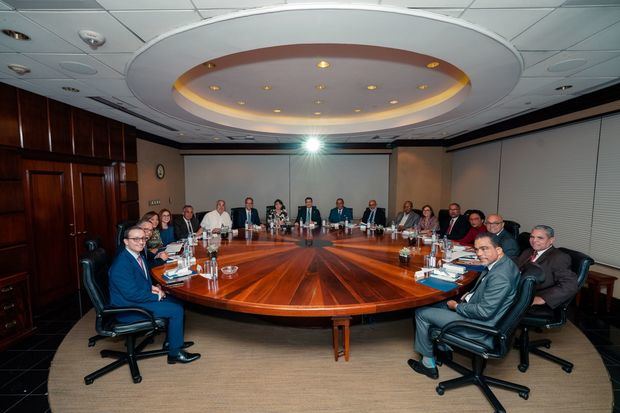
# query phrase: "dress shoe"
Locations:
[[183, 357], [418, 367], [186, 344]]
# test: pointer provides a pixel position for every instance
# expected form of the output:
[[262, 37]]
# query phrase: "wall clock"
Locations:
[[160, 171]]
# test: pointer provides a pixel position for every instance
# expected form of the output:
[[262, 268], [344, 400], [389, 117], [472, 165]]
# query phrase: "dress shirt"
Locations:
[[371, 216], [214, 220], [467, 296], [539, 253], [248, 215], [140, 261], [404, 220], [308, 215], [190, 228]]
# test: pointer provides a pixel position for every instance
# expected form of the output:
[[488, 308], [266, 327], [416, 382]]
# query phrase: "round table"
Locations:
[[320, 272]]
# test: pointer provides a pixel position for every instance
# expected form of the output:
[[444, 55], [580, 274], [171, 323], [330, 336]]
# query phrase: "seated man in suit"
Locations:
[[308, 215], [560, 283], [457, 226], [340, 213], [374, 215], [130, 286], [216, 219], [186, 224], [407, 219], [495, 225], [486, 303], [249, 215], [154, 257]]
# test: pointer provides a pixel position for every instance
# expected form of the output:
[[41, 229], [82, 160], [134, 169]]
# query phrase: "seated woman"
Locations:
[[476, 220], [154, 243], [428, 223], [166, 229], [278, 214]]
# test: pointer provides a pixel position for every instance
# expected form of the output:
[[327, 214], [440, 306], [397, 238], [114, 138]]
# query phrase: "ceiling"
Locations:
[[195, 71]]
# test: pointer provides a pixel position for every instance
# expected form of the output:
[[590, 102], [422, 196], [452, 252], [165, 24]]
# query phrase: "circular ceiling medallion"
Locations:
[[378, 68]]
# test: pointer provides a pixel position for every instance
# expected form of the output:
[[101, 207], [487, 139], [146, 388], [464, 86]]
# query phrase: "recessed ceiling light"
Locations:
[[216, 138], [422, 87], [432, 65], [92, 38], [215, 88], [393, 102], [19, 69], [320, 87], [70, 89], [357, 110], [15, 35], [371, 87], [563, 87], [277, 110], [323, 64], [267, 87], [317, 113], [241, 102], [209, 65], [180, 134], [318, 102]]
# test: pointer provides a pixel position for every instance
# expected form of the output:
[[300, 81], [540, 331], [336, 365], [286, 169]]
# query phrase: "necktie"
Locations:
[[248, 216], [534, 256], [308, 215], [190, 229], [141, 264], [452, 221], [371, 217]]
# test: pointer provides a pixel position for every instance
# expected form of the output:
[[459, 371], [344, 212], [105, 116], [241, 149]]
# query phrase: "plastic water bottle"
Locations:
[[346, 222], [214, 270]]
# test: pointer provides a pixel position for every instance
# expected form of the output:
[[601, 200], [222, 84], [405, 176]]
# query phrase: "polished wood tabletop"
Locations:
[[315, 273]]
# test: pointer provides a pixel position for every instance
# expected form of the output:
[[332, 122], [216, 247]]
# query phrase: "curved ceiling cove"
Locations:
[[300, 70]]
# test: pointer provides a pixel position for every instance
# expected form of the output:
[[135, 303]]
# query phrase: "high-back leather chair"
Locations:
[[120, 232], [580, 264], [502, 334], [234, 213], [417, 211], [95, 279], [513, 228], [200, 215], [524, 241]]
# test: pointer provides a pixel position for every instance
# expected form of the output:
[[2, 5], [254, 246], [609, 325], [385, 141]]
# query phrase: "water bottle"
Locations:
[[214, 270], [393, 226], [445, 242], [346, 222]]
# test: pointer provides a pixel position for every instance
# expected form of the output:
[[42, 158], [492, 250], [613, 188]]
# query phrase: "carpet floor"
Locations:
[[259, 367]]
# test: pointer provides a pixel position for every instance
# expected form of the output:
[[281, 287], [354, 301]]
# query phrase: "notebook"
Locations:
[[439, 284]]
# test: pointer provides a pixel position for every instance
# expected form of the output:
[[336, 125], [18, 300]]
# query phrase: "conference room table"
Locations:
[[319, 272]]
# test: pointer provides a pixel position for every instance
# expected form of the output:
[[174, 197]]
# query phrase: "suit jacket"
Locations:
[[347, 214], [459, 230], [560, 282], [240, 218], [129, 286], [301, 215], [493, 293], [509, 244], [412, 219], [379, 216], [180, 227]]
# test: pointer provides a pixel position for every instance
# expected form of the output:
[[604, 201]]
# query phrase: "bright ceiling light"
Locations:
[[318, 102], [422, 87], [323, 64], [371, 87], [320, 87], [277, 110], [393, 102], [214, 88], [267, 87], [317, 113], [241, 102], [432, 65], [312, 144]]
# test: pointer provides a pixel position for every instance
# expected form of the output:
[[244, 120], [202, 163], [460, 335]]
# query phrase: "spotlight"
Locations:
[[312, 144]]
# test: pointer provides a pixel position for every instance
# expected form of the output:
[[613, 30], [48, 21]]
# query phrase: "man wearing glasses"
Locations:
[[495, 225], [130, 286]]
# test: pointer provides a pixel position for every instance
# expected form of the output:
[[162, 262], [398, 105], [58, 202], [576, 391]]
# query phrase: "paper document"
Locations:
[[173, 248]]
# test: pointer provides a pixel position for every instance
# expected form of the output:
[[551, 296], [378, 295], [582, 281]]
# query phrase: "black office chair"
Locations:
[[580, 264], [417, 211], [92, 244], [501, 333], [524, 241], [443, 215], [268, 210], [95, 279], [513, 228], [200, 215], [234, 213], [120, 232]]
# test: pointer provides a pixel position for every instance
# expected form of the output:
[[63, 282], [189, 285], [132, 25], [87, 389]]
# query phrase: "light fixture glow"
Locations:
[[277, 110], [563, 87], [432, 65], [267, 87], [393, 102], [209, 65], [323, 64], [215, 88], [318, 102], [371, 87], [357, 110], [317, 113], [92, 38], [312, 144], [241, 102], [320, 87], [422, 87], [19, 69], [15, 35]]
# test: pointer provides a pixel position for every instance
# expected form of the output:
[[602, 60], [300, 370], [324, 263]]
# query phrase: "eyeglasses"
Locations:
[[137, 239], [494, 223]]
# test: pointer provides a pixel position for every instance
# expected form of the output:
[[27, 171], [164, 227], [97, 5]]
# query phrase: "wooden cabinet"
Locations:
[[9, 124], [15, 314], [61, 132], [82, 133], [34, 121]]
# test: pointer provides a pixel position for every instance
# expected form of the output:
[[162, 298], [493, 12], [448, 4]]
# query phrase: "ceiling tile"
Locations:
[[5, 6], [4, 49], [54, 4], [528, 84], [150, 24], [563, 28], [440, 4], [111, 87], [531, 58], [147, 4], [67, 25], [208, 13], [53, 87], [54, 60], [608, 39], [116, 61], [446, 12], [590, 58], [41, 40], [605, 69], [579, 86], [235, 4], [37, 70], [533, 101], [498, 4], [506, 22]]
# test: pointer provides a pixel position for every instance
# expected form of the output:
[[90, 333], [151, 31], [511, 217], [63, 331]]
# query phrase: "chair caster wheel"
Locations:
[[137, 380], [439, 390], [88, 381], [547, 345], [91, 343], [567, 369], [524, 395], [522, 368], [438, 363]]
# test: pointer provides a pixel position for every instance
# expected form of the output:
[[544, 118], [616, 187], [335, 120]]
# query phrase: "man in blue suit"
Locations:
[[308, 215], [130, 286], [248, 215], [340, 213]]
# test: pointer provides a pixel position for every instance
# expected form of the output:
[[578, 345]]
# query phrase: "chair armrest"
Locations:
[[469, 325], [117, 310]]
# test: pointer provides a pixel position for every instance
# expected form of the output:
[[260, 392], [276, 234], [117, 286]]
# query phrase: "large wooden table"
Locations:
[[312, 273]]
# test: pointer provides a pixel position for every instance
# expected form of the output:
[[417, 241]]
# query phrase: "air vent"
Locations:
[[120, 108]]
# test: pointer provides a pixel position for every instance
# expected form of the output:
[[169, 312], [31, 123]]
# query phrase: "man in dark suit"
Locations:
[[308, 215], [130, 286], [495, 225], [457, 226], [560, 282], [187, 224], [407, 219], [248, 215], [340, 213], [374, 215], [486, 303]]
